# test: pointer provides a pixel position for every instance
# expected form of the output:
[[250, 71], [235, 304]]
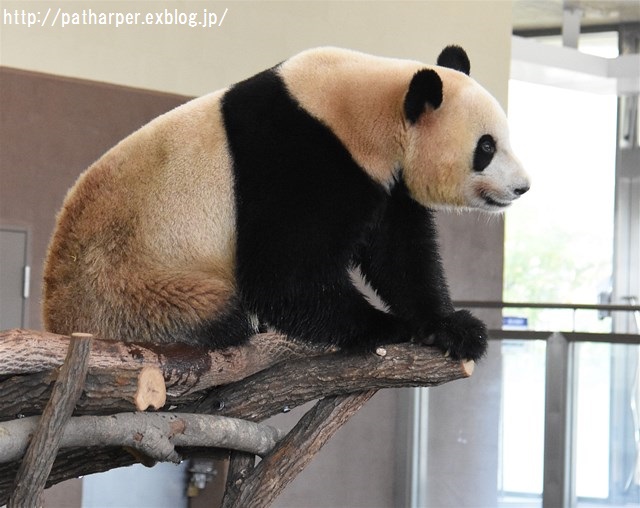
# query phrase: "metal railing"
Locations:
[[570, 336]]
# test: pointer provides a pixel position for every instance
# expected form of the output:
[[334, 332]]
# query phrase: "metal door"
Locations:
[[14, 278]]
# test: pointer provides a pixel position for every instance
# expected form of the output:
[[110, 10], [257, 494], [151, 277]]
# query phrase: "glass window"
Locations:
[[592, 440], [559, 238], [559, 249], [522, 422]]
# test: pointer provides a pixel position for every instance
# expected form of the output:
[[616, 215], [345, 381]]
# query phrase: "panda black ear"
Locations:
[[455, 58], [425, 89]]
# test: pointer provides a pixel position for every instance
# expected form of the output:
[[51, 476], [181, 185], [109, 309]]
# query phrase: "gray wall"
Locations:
[[51, 129], [463, 417]]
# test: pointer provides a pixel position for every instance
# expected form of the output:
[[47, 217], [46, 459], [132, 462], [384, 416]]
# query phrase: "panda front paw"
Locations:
[[461, 335]]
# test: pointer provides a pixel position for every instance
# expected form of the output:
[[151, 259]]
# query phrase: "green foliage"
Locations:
[[552, 262]]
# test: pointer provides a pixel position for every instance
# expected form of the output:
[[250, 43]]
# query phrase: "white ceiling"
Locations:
[[547, 14]]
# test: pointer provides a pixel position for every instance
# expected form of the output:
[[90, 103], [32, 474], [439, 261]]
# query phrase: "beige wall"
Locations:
[[359, 467], [254, 35]]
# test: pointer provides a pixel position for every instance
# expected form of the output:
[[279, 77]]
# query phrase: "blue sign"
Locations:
[[515, 322]]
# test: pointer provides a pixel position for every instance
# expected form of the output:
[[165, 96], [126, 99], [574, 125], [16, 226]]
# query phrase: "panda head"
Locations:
[[456, 150]]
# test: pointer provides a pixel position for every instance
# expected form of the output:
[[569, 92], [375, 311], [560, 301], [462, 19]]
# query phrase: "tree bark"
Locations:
[[153, 434], [260, 382], [29, 359], [295, 382], [268, 479], [43, 446]]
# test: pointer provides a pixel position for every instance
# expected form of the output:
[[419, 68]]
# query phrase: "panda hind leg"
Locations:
[[197, 307], [231, 327]]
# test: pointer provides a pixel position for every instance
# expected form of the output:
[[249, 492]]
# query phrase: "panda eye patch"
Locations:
[[485, 150]]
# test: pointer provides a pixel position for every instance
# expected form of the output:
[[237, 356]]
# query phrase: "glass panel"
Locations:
[[607, 428], [593, 369], [163, 486], [559, 248], [522, 423], [559, 238]]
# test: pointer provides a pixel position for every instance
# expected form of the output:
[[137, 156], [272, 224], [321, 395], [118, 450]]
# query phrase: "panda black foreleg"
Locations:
[[401, 261], [332, 311]]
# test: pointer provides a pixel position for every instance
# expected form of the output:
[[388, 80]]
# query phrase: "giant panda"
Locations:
[[251, 208]]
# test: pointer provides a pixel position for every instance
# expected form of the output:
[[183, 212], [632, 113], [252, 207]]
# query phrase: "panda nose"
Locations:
[[520, 190]]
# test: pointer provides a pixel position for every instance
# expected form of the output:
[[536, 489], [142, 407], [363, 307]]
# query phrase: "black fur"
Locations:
[[454, 57], [484, 152], [425, 88], [230, 328], [306, 212], [400, 260]]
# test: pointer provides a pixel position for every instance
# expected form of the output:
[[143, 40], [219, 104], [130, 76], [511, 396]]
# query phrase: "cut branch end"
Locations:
[[152, 392]]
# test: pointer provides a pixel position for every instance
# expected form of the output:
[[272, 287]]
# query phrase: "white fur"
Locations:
[[494, 188]]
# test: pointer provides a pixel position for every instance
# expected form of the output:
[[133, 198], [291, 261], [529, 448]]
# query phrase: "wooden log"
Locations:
[[43, 447], [113, 389], [29, 359], [295, 382], [240, 467], [154, 434], [289, 383], [264, 483]]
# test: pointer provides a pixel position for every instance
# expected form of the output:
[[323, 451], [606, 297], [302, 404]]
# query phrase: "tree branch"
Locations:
[[154, 434], [295, 382], [28, 360], [268, 479], [43, 446], [262, 378]]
